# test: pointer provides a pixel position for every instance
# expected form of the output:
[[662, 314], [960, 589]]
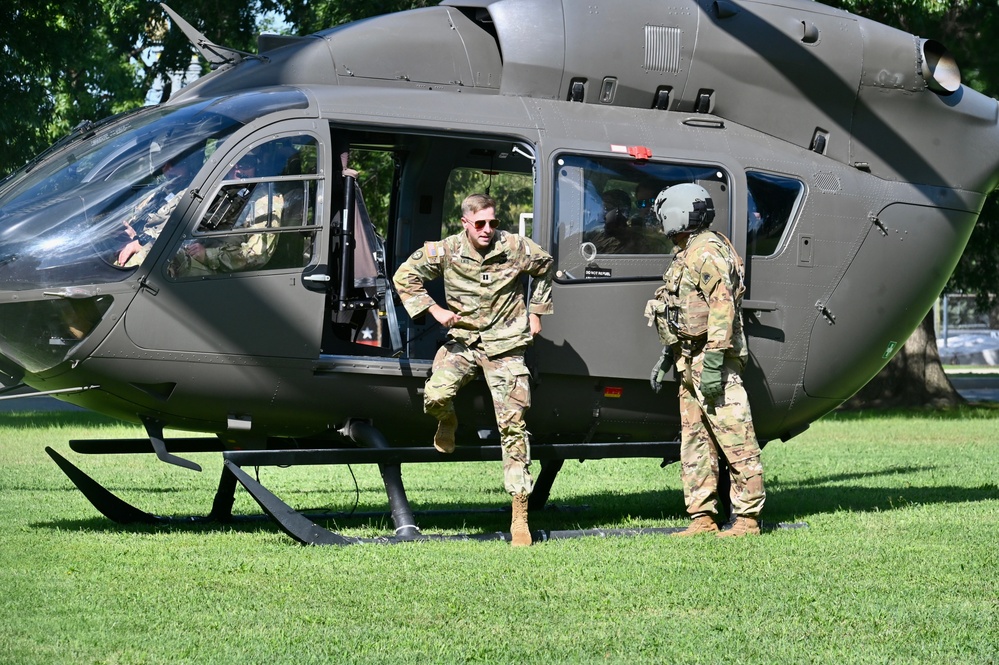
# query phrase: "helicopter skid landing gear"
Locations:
[[303, 528], [120, 511], [104, 501], [297, 525]]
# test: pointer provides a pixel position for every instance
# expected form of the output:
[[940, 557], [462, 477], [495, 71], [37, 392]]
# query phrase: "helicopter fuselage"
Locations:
[[849, 213]]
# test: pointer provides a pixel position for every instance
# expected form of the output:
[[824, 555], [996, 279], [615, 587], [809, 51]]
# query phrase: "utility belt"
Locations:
[[691, 347]]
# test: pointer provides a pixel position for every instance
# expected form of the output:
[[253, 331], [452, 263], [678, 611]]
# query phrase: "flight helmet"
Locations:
[[684, 207]]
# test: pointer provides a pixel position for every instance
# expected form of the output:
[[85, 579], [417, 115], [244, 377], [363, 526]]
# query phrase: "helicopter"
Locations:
[[210, 265]]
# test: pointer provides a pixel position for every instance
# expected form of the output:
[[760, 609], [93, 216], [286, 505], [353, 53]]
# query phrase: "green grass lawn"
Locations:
[[898, 563]]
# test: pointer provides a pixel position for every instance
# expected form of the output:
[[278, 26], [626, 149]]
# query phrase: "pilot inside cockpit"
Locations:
[[144, 226], [248, 206]]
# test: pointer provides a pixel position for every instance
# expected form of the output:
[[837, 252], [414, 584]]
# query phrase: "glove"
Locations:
[[711, 376], [659, 370]]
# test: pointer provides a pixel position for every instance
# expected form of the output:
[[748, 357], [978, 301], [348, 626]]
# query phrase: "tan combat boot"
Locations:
[[743, 526], [700, 524], [520, 533], [444, 438]]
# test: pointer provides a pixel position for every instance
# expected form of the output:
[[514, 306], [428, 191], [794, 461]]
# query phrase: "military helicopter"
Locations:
[[209, 264]]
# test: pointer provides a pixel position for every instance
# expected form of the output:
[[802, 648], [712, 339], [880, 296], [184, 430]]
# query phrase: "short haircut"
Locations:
[[476, 202]]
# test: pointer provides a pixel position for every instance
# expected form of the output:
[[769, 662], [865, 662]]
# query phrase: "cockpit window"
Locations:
[[605, 226], [80, 216], [773, 200], [261, 218]]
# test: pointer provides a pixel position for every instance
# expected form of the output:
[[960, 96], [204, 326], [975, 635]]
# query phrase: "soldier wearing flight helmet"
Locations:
[[698, 315]]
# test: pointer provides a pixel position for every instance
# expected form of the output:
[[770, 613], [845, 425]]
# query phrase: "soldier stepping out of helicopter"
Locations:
[[489, 327]]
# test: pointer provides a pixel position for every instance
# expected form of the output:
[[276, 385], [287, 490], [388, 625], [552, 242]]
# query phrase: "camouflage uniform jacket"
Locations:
[[236, 253], [148, 225], [253, 251], [485, 291], [709, 273]]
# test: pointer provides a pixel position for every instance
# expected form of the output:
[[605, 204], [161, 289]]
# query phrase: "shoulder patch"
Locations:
[[417, 255]]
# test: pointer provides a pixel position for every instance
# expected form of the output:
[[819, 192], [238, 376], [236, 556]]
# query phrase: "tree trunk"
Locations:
[[914, 377]]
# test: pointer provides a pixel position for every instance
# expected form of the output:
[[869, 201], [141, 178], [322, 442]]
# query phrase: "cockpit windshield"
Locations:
[[71, 218]]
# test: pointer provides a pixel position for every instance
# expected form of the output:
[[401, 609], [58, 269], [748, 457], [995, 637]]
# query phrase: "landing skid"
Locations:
[[304, 529], [120, 511], [103, 500]]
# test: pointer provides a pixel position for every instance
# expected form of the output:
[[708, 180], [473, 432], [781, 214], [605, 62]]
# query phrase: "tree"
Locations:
[[310, 16], [66, 61], [967, 28]]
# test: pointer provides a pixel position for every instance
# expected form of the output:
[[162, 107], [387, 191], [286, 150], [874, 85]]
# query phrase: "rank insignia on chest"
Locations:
[[486, 277]]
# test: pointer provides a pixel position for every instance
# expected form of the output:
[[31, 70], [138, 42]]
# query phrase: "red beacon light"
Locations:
[[636, 151]]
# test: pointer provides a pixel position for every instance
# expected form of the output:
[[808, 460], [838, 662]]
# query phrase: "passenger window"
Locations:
[[262, 217], [605, 224], [773, 202]]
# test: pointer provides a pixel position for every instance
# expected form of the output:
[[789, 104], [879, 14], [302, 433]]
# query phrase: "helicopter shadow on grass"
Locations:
[[787, 502]]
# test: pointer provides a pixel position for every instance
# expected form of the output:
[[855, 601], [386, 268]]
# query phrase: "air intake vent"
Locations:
[[662, 49], [827, 182]]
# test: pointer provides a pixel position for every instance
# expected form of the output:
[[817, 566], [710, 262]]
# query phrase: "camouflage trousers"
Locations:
[[725, 426], [509, 383]]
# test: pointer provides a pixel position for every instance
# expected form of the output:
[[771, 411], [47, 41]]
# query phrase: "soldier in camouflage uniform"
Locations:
[[236, 253], [489, 327], [698, 314], [152, 213]]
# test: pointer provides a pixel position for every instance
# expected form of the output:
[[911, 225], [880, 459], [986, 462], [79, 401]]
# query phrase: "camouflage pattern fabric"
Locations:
[[727, 426], [235, 253], [509, 383], [708, 274], [148, 224], [655, 312], [485, 291]]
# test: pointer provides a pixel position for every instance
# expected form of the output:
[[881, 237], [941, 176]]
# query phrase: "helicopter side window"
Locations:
[[263, 216], [773, 202], [605, 225]]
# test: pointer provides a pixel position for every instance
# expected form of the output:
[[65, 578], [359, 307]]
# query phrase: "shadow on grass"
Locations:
[[787, 502], [856, 475]]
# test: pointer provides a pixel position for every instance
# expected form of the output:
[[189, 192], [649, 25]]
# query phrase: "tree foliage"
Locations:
[[67, 61], [310, 16]]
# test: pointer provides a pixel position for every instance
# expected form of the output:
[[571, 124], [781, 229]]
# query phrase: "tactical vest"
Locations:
[[685, 315]]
